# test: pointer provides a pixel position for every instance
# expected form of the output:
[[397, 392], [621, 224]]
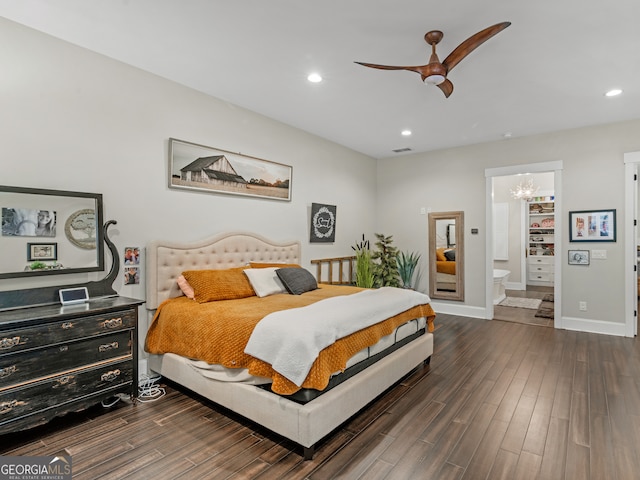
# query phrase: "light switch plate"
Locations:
[[598, 254]]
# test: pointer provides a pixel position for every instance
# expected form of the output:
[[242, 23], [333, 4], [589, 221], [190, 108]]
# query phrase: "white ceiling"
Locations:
[[548, 71]]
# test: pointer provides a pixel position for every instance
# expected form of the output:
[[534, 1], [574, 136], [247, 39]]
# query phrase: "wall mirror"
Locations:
[[49, 232], [446, 255]]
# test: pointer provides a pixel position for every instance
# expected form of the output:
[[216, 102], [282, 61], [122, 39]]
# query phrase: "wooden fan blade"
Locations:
[[446, 87], [471, 43], [417, 69]]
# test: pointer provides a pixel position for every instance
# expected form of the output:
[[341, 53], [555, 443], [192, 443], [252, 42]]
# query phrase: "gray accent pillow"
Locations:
[[297, 280]]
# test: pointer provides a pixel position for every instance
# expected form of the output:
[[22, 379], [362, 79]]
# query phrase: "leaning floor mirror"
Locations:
[[446, 255]]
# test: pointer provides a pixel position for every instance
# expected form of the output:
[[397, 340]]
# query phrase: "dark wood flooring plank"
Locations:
[[503, 468], [602, 457], [470, 440], [528, 466], [538, 426], [555, 450], [485, 455], [579, 423], [577, 463], [518, 425]]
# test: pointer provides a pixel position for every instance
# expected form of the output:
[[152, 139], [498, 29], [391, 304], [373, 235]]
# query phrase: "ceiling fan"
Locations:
[[435, 72]]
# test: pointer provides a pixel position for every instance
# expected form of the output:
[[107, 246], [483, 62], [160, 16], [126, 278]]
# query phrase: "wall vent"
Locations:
[[401, 150]]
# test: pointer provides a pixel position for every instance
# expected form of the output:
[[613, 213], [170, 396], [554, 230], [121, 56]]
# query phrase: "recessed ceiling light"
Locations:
[[314, 78], [406, 133], [613, 93]]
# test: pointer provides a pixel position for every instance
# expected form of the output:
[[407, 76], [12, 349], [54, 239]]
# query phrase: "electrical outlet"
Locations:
[[583, 306]]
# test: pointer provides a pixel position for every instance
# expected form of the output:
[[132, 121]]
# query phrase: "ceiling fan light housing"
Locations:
[[434, 79]]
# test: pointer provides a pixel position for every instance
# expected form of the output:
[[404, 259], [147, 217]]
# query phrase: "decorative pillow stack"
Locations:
[[261, 279]]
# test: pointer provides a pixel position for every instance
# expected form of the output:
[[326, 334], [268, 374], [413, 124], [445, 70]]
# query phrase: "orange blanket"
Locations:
[[446, 267], [217, 332]]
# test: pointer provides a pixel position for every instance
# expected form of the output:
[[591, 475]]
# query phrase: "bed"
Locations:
[[292, 409], [446, 269]]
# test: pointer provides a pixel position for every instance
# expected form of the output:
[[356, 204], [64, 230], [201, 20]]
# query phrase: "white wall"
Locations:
[[75, 120], [453, 179]]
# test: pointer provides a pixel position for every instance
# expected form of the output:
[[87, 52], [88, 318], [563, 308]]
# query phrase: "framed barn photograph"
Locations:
[[207, 169], [592, 226]]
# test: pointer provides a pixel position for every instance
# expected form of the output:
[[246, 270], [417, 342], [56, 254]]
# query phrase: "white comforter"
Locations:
[[290, 340]]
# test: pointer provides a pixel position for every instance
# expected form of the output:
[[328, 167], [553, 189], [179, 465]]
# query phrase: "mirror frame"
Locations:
[[459, 242], [97, 197]]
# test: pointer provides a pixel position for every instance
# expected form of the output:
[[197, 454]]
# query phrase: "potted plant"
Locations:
[[386, 268], [407, 264], [364, 265]]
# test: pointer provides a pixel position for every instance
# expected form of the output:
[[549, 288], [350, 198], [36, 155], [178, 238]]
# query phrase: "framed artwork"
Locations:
[[578, 257], [323, 223], [207, 169], [132, 255], [28, 222], [42, 251], [592, 226], [131, 276], [80, 228]]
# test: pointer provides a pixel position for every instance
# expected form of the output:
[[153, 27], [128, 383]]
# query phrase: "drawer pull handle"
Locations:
[[65, 380], [113, 323], [110, 376], [9, 342], [5, 372], [108, 346], [6, 407], [67, 325], [64, 348]]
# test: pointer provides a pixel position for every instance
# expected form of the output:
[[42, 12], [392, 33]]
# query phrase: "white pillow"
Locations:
[[265, 281]]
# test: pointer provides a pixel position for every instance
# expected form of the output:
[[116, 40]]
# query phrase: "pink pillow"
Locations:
[[186, 288]]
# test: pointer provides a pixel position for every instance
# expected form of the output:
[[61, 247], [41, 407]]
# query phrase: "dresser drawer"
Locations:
[[52, 392], [65, 330], [541, 276], [33, 364], [541, 268], [541, 260]]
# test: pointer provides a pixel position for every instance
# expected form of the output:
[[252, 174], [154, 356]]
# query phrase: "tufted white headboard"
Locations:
[[167, 260]]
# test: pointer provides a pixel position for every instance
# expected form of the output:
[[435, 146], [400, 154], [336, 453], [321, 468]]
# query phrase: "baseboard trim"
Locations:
[[593, 326], [461, 309]]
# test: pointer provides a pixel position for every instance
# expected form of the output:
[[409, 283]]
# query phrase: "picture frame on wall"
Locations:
[[579, 257], [323, 223], [206, 169], [42, 252], [592, 226]]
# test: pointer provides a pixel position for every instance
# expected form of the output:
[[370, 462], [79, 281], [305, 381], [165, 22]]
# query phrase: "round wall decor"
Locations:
[[80, 229]]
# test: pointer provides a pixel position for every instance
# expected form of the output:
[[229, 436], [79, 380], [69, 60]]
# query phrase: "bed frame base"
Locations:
[[304, 424]]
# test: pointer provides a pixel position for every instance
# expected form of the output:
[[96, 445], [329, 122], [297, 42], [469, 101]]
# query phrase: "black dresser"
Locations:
[[55, 360]]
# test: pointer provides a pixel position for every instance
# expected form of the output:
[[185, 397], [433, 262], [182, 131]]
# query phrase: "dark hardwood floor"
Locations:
[[500, 400]]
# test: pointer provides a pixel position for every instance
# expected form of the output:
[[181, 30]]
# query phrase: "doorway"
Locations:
[[632, 290], [492, 175]]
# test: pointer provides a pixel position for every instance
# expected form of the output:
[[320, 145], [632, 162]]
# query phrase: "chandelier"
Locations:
[[525, 190]]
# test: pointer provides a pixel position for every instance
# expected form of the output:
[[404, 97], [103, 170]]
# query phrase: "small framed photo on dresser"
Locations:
[[42, 251]]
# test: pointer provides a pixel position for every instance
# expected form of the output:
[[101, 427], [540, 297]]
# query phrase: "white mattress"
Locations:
[[241, 375]]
